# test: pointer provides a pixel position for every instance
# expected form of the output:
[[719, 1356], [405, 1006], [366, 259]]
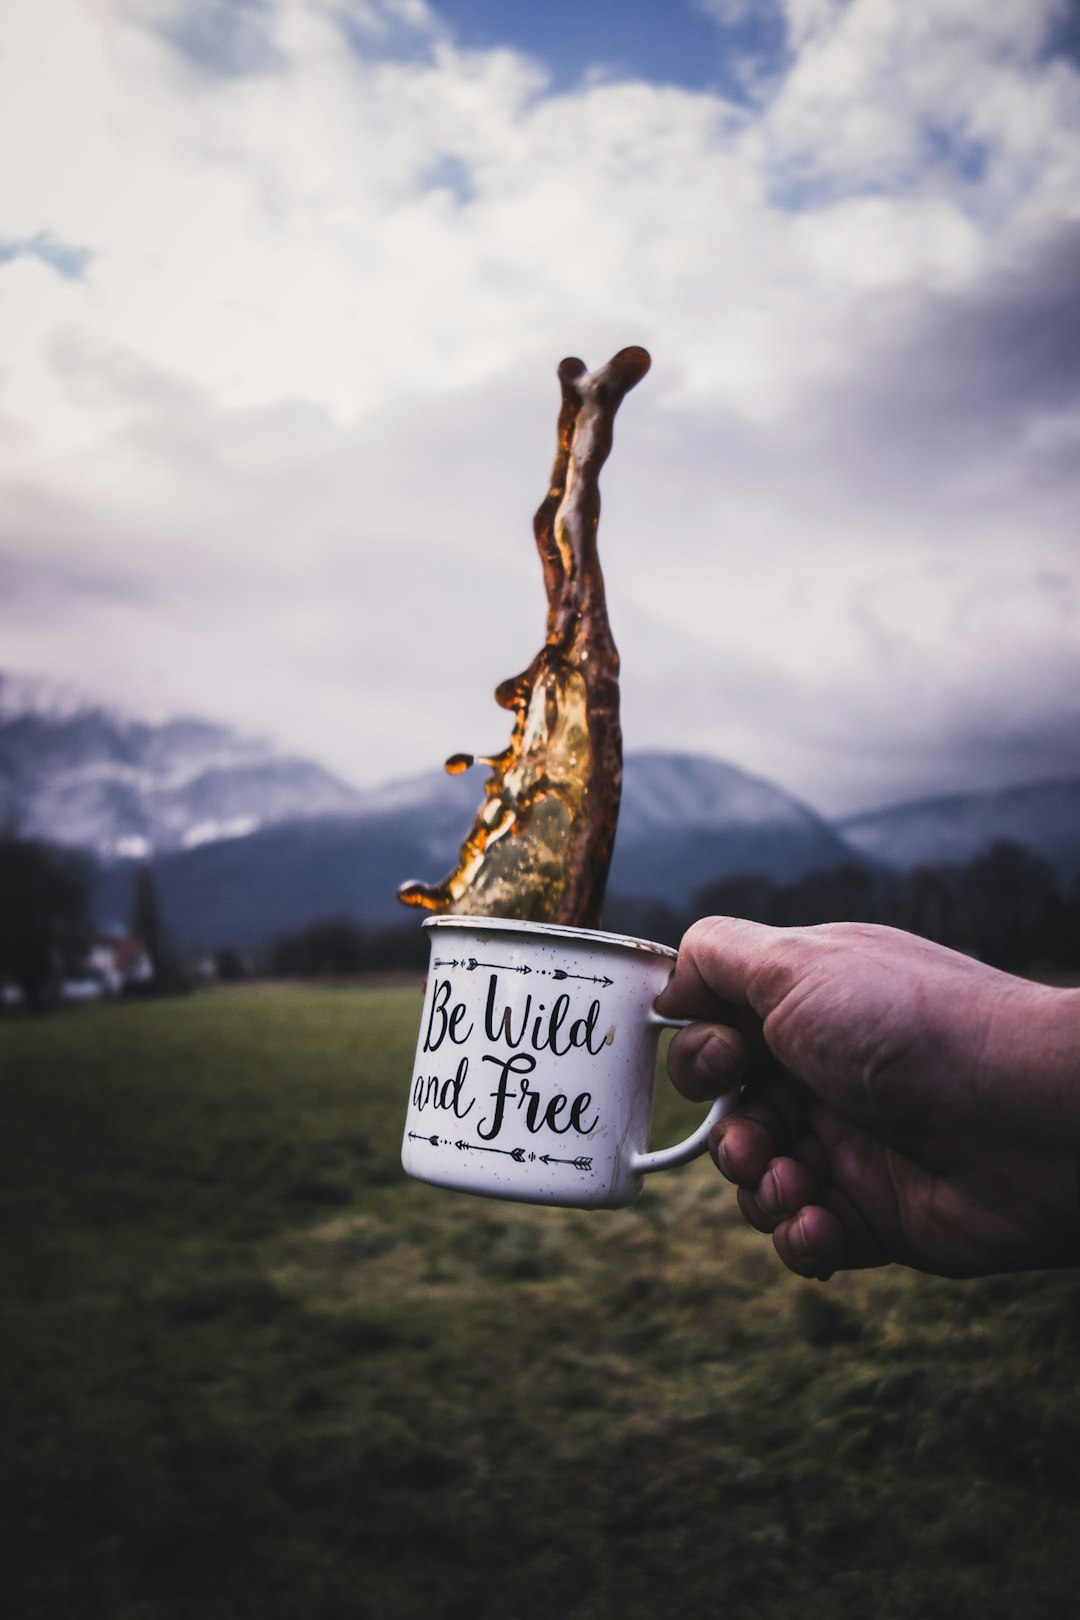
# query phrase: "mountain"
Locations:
[[248, 843], [1044, 816], [80, 775], [685, 820]]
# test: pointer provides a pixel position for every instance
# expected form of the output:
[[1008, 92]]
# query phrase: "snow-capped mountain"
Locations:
[[245, 890], [81, 775], [1044, 816], [248, 843]]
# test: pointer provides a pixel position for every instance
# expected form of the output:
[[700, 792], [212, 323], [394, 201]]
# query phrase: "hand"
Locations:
[[900, 1101]]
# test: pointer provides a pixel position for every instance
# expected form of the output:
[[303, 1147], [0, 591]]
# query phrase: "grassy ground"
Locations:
[[249, 1370]]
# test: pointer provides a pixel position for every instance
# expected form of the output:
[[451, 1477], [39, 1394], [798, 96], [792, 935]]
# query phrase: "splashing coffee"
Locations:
[[540, 845]]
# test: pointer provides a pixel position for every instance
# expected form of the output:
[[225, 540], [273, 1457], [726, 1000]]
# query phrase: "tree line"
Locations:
[[337, 947], [1006, 906], [42, 897], [46, 935]]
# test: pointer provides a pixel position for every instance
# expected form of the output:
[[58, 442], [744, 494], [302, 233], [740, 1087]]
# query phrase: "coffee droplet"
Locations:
[[540, 844]]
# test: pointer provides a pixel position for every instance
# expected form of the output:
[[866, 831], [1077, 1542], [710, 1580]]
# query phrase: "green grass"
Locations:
[[249, 1370]]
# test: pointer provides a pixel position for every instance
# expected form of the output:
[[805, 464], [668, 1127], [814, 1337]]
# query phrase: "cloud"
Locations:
[[226, 38], [273, 451]]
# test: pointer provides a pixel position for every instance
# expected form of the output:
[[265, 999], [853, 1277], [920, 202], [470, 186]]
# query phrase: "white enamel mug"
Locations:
[[536, 1064]]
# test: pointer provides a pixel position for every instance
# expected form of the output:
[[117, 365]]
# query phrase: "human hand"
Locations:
[[900, 1101]]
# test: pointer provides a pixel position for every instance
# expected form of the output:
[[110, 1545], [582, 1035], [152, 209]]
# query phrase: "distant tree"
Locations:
[[146, 917], [845, 893], [403, 946], [330, 946], [747, 894], [1068, 955], [229, 965], [928, 902], [848, 892], [1005, 906], [147, 924], [1012, 908], [42, 896], [644, 919], [333, 947]]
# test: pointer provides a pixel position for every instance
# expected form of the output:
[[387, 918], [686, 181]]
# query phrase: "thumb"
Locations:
[[724, 963]]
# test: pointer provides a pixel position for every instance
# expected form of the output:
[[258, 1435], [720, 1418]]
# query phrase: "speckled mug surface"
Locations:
[[536, 1064]]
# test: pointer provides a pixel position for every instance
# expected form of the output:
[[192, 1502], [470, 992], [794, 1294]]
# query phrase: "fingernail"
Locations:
[[708, 1061], [720, 1158]]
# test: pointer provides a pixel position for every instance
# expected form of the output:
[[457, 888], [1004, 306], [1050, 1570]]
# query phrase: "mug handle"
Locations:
[[642, 1164]]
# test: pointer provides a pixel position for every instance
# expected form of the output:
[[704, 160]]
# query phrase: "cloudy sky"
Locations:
[[283, 287]]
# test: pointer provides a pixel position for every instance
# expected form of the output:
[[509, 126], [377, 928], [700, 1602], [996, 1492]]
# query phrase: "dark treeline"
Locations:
[[49, 940], [42, 904], [1006, 907], [336, 946]]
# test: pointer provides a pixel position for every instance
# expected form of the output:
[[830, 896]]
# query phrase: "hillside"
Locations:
[[242, 890], [84, 776], [1044, 816], [248, 842]]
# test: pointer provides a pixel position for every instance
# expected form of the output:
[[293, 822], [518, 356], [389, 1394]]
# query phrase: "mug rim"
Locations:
[[514, 925]]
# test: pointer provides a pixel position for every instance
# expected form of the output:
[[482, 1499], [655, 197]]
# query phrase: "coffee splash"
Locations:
[[540, 845]]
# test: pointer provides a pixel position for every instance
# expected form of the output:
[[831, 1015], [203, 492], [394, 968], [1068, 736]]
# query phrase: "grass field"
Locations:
[[249, 1370]]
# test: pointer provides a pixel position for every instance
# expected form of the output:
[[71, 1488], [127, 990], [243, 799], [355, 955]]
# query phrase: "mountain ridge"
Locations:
[[248, 841], [92, 778], [953, 828]]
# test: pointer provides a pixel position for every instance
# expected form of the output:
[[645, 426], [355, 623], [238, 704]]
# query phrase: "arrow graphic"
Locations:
[[590, 978], [517, 1154], [470, 964]]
